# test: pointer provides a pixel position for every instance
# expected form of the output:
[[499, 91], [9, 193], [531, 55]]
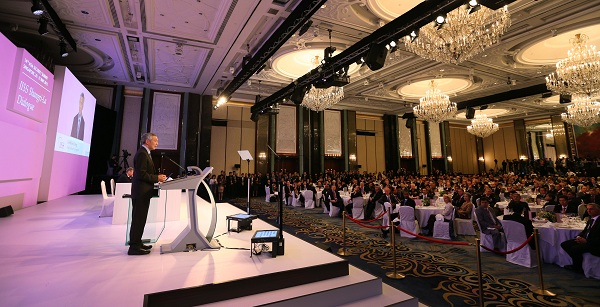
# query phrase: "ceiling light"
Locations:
[[482, 126], [36, 8], [583, 112], [43, 29], [319, 99], [463, 36], [63, 49], [473, 6], [578, 73], [435, 106]]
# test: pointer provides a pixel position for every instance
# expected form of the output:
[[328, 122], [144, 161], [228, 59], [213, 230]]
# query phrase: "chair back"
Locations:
[[358, 208], [581, 210], [267, 194], [514, 231], [549, 208], [103, 189], [308, 199], [406, 213], [515, 236], [112, 186]]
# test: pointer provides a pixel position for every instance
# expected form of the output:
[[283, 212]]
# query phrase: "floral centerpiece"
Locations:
[[426, 202], [547, 216]]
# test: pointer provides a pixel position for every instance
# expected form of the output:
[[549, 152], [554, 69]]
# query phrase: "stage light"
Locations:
[[36, 8], [473, 6], [63, 49], [43, 29], [440, 21], [413, 35]]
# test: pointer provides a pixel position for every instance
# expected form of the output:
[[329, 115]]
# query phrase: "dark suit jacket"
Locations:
[[393, 199], [593, 238], [144, 175], [408, 202], [485, 220], [81, 128], [571, 208]]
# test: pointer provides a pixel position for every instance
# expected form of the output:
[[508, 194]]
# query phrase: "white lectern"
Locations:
[[191, 238]]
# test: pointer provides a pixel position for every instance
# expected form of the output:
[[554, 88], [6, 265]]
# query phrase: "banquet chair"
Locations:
[[465, 226], [385, 221], [441, 228], [358, 208], [309, 203], [485, 239], [333, 210], [112, 187], [378, 210], [267, 194], [296, 200], [289, 201], [549, 208], [591, 266], [108, 202], [323, 202], [515, 236], [581, 210], [407, 221]]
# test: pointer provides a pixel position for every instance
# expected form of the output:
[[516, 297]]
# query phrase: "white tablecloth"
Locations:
[[423, 213], [346, 198], [503, 204], [551, 236]]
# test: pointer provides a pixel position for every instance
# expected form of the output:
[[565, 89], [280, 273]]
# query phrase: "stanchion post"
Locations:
[[394, 274], [534, 289], [342, 251], [479, 273]]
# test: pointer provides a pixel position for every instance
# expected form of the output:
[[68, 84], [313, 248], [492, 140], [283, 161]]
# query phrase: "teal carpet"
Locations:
[[437, 274]]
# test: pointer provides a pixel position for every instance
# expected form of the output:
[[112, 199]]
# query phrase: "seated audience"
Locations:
[[489, 223], [517, 216], [588, 241]]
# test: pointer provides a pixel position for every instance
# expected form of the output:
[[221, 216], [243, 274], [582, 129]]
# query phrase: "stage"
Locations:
[[60, 253]]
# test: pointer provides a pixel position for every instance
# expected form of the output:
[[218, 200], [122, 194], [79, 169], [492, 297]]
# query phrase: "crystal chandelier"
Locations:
[[435, 106], [464, 33], [319, 99], [579, 73], [482, 126], [583, 112]]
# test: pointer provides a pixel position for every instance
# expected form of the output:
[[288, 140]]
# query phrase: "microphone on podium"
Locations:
[[162, 154]]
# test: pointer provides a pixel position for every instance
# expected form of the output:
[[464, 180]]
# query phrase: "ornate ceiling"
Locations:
[[198, 46]]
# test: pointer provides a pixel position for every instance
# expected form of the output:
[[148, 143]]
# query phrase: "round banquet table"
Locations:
[[551, 236], [423, 213]]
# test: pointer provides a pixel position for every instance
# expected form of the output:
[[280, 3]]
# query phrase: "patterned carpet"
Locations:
[[437, 274]]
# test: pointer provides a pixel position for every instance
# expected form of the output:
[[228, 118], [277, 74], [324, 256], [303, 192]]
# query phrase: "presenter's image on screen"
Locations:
[[78, 128]]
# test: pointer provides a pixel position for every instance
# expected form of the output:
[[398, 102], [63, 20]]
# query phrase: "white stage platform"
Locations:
[[61, 254]]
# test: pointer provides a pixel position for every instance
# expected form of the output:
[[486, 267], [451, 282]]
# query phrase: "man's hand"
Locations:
[[162, 178], [580, 240]]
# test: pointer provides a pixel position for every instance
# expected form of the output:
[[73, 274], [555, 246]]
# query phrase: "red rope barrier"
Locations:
[[359, 221], [508, 252], [433, 240]]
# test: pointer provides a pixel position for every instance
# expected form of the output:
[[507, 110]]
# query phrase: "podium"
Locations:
[[191, 239]]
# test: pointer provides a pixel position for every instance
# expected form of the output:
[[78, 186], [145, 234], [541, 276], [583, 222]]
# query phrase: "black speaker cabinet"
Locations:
[[376, 57], [470, 113], [6, 211]]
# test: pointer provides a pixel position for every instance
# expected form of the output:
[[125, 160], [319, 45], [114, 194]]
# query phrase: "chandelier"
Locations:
[[579, 73], [319, 99], [482, 126], [435, 106], [465, 32], [583, 112]]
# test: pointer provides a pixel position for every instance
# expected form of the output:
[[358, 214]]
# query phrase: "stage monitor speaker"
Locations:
[[470, 113], [6, 211], [409, 123], [376, 57], [237, 166]]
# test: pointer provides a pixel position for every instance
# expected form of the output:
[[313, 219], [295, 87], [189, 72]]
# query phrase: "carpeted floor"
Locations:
[[437, 274]]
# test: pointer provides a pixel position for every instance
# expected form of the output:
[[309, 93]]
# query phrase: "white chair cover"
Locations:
[[385, 221], [108, 202], [441, 229], [591, 266], [378, 209], [465, 226], [549, 208], [407, 219], [267, 194], [309, 203], [296, 200], [581, 210], [112, 186], [358, 208], [515, 236], [333, 210], [485, 239]]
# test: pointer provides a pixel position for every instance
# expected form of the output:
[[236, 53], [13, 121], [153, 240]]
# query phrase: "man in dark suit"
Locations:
[[517, 203], [407, 200], [588, 241], [126, 177], [488, 223], [78, 126], [564, 206], [518, 217], [142, 188]]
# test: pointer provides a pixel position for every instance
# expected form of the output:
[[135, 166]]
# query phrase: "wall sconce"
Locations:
[[562, 156], [352, 157], [523, 157], [449, 159], [481, 159], [262, 155]]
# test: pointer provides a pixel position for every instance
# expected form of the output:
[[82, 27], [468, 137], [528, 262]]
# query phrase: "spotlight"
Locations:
[[43, 29], [413, 35], [63, 49], [473, 6], [36, 8], [440, 21]]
